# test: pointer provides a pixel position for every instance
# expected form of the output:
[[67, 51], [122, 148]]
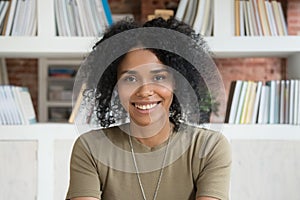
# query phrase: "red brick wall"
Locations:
[[293, 17], [125, 7], [24, 72]]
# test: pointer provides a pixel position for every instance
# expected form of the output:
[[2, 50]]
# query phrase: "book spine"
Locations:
[[107, 12]]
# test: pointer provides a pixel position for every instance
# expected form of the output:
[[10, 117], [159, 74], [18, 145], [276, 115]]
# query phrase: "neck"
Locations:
[[150, 135]]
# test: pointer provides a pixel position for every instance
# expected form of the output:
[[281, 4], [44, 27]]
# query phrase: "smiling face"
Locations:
[[145, 87]]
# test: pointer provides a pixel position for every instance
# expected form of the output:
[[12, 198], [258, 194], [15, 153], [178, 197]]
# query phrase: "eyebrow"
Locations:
[[159, 70], [128, 72], [156, 71]]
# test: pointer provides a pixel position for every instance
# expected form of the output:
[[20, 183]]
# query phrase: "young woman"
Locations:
[[157, 153]]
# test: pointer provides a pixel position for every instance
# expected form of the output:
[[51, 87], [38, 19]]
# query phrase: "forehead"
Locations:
[[139, 60]]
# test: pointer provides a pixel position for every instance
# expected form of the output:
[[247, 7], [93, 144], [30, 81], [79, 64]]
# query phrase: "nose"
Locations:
[[145, 90]]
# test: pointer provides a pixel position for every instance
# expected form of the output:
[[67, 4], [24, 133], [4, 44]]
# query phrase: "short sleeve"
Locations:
[[84, 179], [214, 175]]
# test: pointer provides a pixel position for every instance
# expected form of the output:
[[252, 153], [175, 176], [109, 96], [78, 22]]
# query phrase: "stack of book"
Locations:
[[197, 13], [276, 102], [259, 18], [82, 17], [18, 17], [16, 106], [62, 72]]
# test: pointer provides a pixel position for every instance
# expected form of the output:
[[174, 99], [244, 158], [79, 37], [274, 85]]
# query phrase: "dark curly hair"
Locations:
[[108, 108]]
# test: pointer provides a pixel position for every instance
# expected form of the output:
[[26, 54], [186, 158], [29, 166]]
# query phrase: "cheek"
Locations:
[[124, 95], [166, 93]]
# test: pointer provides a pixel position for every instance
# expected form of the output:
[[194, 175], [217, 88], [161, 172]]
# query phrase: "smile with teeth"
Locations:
[[145, 106]]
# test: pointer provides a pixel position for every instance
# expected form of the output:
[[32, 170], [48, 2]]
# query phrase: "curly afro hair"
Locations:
[[109, 110]]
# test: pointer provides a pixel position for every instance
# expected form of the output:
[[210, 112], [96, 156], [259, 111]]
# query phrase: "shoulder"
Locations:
[[206, 141], [98, 138], [200, 133]]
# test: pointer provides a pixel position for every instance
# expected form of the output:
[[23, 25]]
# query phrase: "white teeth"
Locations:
[[145, 107]]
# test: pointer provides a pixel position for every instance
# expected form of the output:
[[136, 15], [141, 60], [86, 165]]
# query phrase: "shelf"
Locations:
[[42, 131], [61, 79], [74, 47], [232, 132], [59, 103], [58, 47], [254, 46]]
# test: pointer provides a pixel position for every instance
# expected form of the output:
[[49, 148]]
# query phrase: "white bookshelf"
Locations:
[[52, 144], [223, 43], [46, 82]]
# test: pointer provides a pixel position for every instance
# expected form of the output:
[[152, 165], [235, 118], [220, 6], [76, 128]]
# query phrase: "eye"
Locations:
[[130, 79], [159, 77]]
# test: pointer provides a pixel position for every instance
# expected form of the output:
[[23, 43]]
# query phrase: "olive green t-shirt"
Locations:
[[197, 163]]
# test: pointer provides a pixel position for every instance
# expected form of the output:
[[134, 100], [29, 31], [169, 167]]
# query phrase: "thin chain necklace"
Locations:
[[138, 173]]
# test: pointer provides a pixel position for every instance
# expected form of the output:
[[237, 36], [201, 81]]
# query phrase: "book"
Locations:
[[277, 102], [199, 18], [101, 14], [250, 19], [18, 19], [97, 19], [237, 18], [207, 19], [257, 19], [190, 13], [277, 17], [11, 17], [3, 72], [27, 108], [6, 107], [253, 18], [283, 22], [256, 102], [31, 26], [298, 110], [83, 18], [296, 102], [181, 9], [250, 107], [16, 106], [287, 101], [263, 17], [3, 10], [210, 23], [90, 18], [5, 20], [263, 112], [107, 12], [242, 20], [246, 103], [233, 98], [58, 21], [3, 120], [65, 18], [246, 19], [291, 98], [271, 18], [272, 85], [282, 102], [71, 18], [241, 102]]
